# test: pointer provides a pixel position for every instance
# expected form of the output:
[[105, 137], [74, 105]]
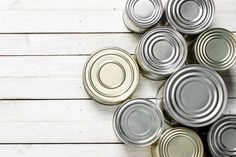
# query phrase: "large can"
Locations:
[[140, 15], [178, 142], [222, 137], [190, 16], [195, 96], [138, 122], [110, 75], [160, 52], [216, 48]]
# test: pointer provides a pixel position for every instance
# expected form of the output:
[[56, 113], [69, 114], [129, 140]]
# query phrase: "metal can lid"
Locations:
[[195, 96], [138, 122], [110, 75], [222, 137], [178, 142], [190, 16], [216, 48], [144, 13], [161, 51]]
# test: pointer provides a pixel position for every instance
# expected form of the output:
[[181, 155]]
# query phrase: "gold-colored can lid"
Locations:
[[178, 142], [110, 75]]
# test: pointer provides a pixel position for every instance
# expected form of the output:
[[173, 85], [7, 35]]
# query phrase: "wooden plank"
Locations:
[[64, 121], [88, 150], [61, 21], [61, 5], [64, 44], [60, 77], [80, 121], [87, 20]]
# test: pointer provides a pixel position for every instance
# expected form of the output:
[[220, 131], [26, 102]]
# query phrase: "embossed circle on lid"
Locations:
[[138, 122], [190, 16], [195, 96], [216, 48], [110, 75]]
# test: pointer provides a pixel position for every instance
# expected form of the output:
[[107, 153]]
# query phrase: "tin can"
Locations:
[[178, 142], [110, 75], [216, 48], [140, 15], [195, 96], [138, 122], [222, 137], [190, 16], [160, 52]]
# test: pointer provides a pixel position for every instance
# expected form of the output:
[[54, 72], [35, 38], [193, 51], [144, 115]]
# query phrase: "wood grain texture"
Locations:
[[64, 44], [91, 150], [26, 16], [62, 5], [74, 121]]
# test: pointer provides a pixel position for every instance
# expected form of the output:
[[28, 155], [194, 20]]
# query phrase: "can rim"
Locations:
[[214, 142], [172, 133], [206, 37], [111, 101], [149, 22], [117, 128], [185, 26], [151, 37], [206, 116]]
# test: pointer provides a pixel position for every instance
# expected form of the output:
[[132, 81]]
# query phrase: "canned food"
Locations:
[[190, 16], [139, 15], [216, 48], [110, 75], [178, 142], [160, 52], [194, 96], [222, 137], [138, 122]]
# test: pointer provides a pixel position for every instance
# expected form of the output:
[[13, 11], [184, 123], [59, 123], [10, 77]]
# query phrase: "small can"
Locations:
[[216, 48], [222, 137], [140, 15], [190, 16], [178, 142], [195, 96], [160, 52], [110, 75], [138, 122]]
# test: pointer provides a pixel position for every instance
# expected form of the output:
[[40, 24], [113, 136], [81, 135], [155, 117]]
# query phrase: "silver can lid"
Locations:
[[216, 48], [138, 122], [222, 137], [144, 13], [161, 51], [190, 16], [110, 75], [195, 96], [178, 142]]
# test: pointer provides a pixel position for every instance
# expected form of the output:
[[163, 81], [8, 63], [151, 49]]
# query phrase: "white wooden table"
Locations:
[[44, 110]]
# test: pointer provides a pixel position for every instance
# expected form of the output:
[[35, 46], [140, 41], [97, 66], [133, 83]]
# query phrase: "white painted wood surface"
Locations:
[[77, 150], [82, 15], [44, 110]]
